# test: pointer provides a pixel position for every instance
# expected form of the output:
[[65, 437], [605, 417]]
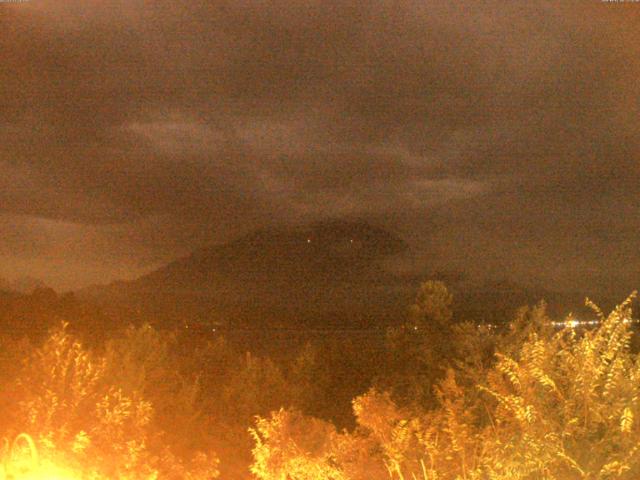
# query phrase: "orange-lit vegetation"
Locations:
[[552, 406], [88, 412], [21, 460], [439, 400]]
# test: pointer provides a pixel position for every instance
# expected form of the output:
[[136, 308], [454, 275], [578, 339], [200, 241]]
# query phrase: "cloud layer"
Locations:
[[500, 139]]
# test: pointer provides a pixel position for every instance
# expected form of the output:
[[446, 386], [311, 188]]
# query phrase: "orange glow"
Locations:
[[47, 472], [23, 463]]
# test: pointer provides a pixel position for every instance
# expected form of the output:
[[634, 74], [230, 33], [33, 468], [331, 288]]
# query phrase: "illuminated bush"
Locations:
[[291, 446], [551, 406], [72, 404]]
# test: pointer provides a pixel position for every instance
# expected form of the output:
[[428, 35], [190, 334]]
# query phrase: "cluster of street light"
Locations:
[[574, 323]]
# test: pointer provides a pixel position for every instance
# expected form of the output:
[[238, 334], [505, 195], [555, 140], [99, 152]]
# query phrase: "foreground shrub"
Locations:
[[553, 405], [78, 413]]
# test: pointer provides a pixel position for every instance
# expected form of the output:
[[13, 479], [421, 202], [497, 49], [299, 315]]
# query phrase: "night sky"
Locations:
[[497, 138]]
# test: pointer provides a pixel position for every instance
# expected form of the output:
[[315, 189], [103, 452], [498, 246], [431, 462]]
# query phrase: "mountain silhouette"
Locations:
[[328, 274], [323, 273]]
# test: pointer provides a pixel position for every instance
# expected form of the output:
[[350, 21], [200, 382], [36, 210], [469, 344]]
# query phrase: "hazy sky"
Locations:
[[499, 138]]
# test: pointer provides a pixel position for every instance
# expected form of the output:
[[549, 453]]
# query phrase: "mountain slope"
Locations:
[[322, 273], [325, 274]]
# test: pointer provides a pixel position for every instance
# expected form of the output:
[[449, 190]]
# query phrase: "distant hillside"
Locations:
[[322, 273], [292, 257], [32, 315]]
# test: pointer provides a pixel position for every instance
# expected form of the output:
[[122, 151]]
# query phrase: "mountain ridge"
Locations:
[[312, 271], [329, 274]]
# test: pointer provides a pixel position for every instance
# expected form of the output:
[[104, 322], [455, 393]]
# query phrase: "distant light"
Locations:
[[580, 323], [308, 240], [351, 240]]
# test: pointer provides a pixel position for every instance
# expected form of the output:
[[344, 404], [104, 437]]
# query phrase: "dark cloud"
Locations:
[[501, 139]]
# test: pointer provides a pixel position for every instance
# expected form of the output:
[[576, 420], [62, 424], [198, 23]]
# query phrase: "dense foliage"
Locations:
[[433, 399], [556, 405]]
